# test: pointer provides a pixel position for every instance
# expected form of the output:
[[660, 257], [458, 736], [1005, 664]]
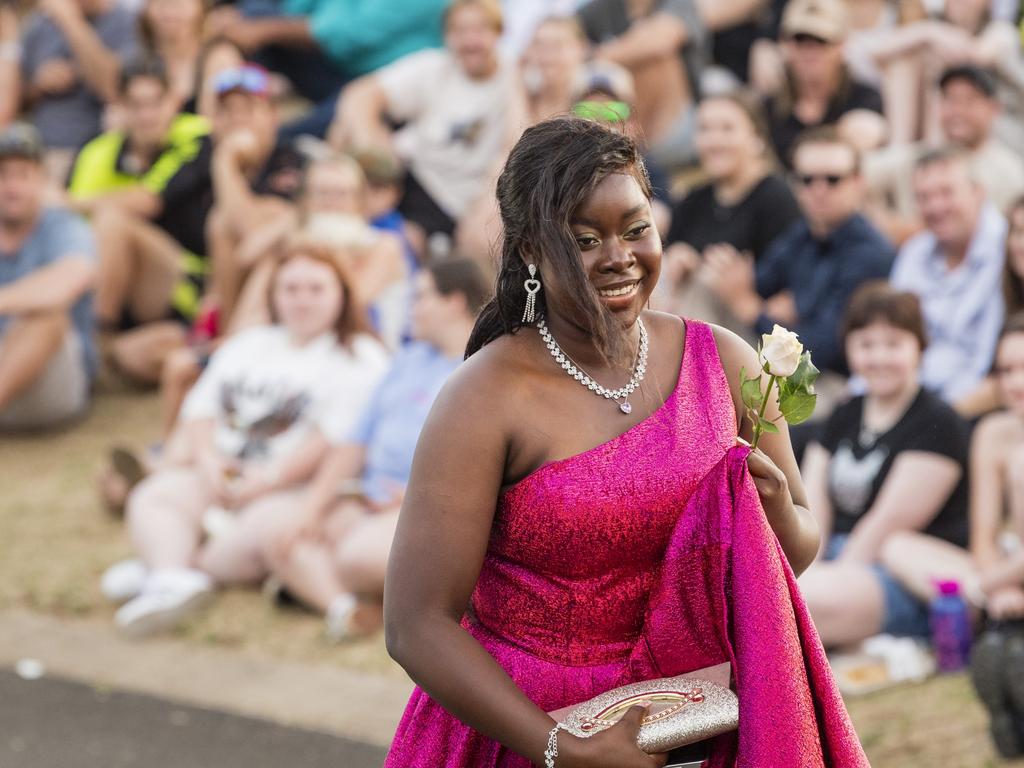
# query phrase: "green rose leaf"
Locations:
[[767, 426], [751, 391], [798, 406]]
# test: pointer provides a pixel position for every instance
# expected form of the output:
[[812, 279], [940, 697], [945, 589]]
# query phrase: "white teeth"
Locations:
[[619, 291]]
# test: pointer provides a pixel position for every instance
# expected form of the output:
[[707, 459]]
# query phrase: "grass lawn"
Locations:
[[56, 540]]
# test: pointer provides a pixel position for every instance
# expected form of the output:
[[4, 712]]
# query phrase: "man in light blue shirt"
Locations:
[[47, 268], [955, 266]]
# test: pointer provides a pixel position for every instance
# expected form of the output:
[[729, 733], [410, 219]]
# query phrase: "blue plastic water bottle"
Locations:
[[951, 628]]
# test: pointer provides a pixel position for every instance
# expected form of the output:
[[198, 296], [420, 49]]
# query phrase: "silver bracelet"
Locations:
[[552, 751]]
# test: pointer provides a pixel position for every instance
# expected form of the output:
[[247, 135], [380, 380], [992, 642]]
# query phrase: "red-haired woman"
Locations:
[[248, 432]]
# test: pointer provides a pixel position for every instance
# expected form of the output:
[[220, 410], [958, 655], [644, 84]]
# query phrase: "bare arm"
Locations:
[[55, 287], [10, 65], [133, 199], [360, 119], [98, 65], [815, 474], [658, 35], [987, 496], [380, 266], [253, 34], [234, 196], [912, 495], [723, 14], [997, 47], [773, 465], [436, 557], [295, 468], [900, 41], [343, 462]]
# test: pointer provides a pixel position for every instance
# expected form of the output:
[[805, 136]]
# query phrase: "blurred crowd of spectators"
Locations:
[[281, 213]]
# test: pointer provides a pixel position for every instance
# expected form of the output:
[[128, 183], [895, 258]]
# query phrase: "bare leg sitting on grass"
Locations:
[[26, 349], [140, 267], [846, 600], [341, 572], [43, 381]]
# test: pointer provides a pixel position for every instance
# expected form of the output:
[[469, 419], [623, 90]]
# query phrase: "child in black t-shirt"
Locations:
[[887, 482]]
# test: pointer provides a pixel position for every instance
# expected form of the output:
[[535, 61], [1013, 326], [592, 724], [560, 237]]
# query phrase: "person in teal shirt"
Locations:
[[348, 38]]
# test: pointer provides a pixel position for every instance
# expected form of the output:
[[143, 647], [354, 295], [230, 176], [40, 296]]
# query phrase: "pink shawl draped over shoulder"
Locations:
[[724, 561]]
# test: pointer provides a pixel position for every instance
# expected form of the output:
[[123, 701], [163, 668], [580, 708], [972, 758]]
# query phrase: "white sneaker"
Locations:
[[168, 597], [339, 617], [124, 580]]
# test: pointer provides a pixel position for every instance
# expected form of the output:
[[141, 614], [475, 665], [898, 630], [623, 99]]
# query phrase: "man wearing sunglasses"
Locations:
[[806, 276]]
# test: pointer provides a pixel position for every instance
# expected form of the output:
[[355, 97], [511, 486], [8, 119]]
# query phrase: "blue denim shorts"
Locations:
[[905, 615]]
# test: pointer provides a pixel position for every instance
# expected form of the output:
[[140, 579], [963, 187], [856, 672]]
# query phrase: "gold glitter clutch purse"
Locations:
[[684, 710]]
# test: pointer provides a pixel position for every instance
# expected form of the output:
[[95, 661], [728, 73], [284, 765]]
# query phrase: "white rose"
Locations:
[[780, 351]]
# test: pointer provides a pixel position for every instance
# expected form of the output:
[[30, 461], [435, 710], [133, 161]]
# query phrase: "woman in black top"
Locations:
[[743, 207], [887, 482]]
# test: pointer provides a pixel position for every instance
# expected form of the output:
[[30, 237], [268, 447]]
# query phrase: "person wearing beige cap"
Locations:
[[818, 88]]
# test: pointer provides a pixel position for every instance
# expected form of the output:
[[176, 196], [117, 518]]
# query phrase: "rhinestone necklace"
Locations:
[[570, 367]]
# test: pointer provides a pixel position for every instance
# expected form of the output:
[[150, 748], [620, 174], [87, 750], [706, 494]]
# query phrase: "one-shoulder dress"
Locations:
[[616, 565]]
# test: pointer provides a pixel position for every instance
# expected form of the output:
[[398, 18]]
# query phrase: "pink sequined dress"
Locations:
[[647, 556]]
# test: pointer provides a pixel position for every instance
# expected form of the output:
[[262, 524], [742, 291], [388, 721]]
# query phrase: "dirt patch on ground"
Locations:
[[57, 540]]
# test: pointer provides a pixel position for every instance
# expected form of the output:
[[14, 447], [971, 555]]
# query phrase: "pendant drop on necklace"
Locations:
[[626, 407]]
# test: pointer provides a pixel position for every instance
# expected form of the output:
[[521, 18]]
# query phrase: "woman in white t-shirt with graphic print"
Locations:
[[250, 430]]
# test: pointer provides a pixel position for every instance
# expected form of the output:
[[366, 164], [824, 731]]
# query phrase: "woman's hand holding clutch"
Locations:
[[615, 747]]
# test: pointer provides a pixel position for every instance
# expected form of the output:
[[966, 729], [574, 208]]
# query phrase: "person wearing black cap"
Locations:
[[47, 268], [969, 108]]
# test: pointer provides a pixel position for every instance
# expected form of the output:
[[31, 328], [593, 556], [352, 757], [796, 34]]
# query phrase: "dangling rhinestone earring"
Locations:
[[532, 286]]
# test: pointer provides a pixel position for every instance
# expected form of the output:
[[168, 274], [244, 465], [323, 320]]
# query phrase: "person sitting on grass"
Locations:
[[334, 553], [887, 480], [149, 209], [250, 434], [47, 269], [997, 486]]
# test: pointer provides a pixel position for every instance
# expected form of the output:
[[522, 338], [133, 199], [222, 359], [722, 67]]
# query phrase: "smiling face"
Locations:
[[966, 114], [619, 247], [334, 188], [22, 185], [472, 38], [812, 59], [727, 140], [949, 200], [149, 109], [886, 356], [828, 185], [557, 50], [307, 297]]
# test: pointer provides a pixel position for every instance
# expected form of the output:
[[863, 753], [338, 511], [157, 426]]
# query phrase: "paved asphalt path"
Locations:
[[51, 723]]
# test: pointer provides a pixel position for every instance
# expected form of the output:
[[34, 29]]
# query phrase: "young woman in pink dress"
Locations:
[[541, 504]]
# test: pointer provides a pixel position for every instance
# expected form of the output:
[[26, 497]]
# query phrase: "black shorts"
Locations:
[[419, 207]]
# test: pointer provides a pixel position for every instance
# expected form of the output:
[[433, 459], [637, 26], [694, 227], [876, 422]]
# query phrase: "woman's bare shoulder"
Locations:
[[491, 378], [998, 431]]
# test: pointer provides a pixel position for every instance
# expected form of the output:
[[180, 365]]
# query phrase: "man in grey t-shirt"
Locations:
[[71, 57], [47, 268]]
